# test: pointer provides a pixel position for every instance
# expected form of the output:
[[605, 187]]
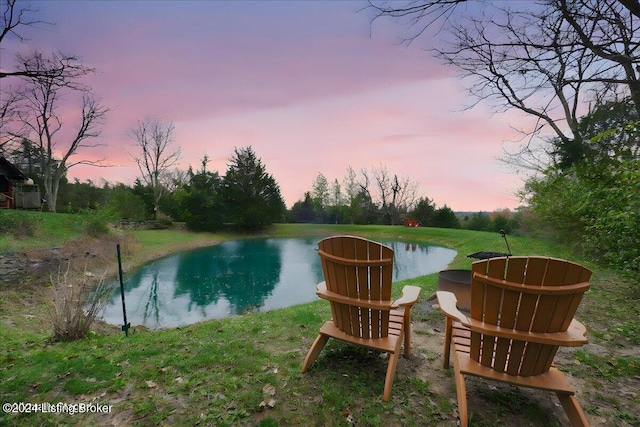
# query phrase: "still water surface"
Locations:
[[242, 276]]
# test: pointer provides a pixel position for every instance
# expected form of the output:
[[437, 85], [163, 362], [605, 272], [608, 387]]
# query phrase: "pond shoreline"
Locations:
[[244, 275]]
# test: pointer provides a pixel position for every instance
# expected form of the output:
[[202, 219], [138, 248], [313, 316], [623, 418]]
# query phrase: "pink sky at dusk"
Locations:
[[311, 86]]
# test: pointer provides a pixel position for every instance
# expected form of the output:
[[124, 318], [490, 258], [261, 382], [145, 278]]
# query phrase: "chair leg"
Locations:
[[461, 390], [573, 410], [314, 351], [448, 331], [407, 331], [391, 371]]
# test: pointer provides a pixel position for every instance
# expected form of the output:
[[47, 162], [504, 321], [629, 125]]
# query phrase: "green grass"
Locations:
[[219, 372], [51, 230], [607, 367]]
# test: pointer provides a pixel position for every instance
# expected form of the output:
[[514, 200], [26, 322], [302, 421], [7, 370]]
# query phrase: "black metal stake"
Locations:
[[504, 236], [126, 325]]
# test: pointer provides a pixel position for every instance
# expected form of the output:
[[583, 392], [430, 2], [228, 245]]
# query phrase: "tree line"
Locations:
[[247, 197], [377, 196]]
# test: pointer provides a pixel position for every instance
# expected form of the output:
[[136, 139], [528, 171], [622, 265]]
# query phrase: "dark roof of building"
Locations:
[[9, 170]]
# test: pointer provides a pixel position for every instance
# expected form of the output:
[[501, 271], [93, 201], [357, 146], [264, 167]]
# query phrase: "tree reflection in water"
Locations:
[[243, 272]]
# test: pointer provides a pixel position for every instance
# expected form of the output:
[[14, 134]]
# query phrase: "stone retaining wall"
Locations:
[[15, 267]]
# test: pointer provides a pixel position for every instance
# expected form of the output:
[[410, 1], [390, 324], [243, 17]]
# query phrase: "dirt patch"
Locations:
[[32, 267], [26, 277], [494, 403]]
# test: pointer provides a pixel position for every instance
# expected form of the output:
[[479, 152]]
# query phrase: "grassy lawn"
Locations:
[[51, 231], [245, 370]]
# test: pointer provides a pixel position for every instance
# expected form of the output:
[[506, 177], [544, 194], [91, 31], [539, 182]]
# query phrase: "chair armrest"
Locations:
[[409, 297], [448, 305], [324, 293], [321, 287], [577, 330]]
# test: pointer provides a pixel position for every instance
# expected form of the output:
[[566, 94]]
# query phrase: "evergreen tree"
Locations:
[[424, 212], [302, 211], [251, 195], [445, 218], [200, 201]]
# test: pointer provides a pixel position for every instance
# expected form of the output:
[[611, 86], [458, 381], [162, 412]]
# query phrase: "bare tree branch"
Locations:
[[14, 17], [157, 155], [418, 15], [632, 6], [11, 128], [547, 59], [43, 94], [59, 70], [394, 194]]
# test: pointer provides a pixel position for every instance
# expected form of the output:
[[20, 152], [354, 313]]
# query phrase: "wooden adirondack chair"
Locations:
[[358, 276], [521, 312]]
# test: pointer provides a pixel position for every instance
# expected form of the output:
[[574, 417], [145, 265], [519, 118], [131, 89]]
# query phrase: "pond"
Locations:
[[242, 276]]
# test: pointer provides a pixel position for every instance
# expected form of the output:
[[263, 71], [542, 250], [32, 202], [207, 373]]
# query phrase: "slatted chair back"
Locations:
[[360, 272], [528, 294]]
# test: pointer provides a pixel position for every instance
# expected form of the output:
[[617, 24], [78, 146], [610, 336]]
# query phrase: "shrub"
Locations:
[[18, 224], [75, 303], [597, 207], [613, 230], [126, 204], [96, 222]]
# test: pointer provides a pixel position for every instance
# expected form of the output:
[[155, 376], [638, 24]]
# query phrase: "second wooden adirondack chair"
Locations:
[[358, 276], [522, 311]]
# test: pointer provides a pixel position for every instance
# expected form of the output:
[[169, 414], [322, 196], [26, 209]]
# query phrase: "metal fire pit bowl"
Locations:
[[458, 282]]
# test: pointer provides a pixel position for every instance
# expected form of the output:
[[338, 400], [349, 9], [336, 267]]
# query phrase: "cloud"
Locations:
[[305, 83]]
